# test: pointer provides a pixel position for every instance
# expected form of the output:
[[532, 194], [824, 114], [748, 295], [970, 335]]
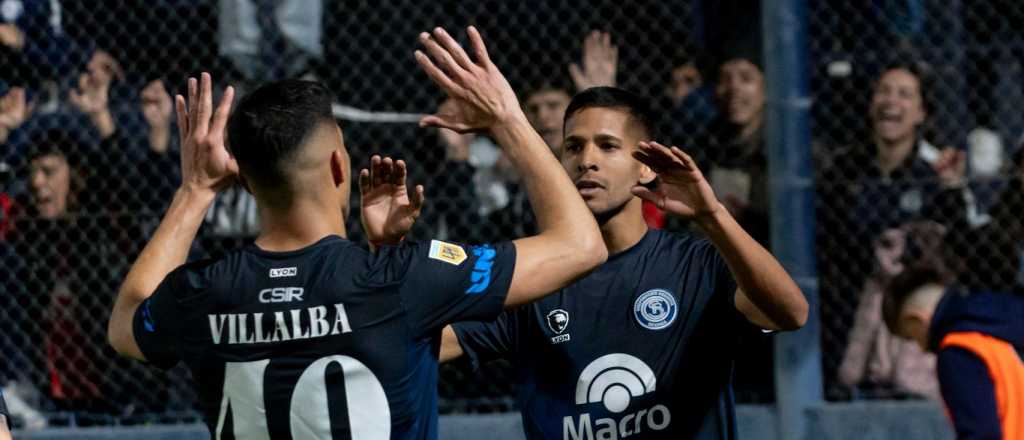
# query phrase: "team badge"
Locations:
[[558, 320], [449, 253], [655, 309]]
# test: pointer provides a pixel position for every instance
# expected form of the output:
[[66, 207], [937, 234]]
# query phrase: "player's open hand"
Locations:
[[206, 164], [481, 96], [388, 210], [682, 189]]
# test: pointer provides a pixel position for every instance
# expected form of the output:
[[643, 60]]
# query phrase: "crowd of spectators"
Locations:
[[88, 159]]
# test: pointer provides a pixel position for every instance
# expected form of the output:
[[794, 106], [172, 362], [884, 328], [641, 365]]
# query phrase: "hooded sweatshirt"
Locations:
[[979, 339]]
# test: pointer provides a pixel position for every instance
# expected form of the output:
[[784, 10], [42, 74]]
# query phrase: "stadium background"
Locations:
[[821, 59]]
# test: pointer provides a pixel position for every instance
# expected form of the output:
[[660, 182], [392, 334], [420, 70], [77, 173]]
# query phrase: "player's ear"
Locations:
[[339, 168]]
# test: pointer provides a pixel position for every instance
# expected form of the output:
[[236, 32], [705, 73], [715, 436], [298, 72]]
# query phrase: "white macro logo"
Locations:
[[614, 379]]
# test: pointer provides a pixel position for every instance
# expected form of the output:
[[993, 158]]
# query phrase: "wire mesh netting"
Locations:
[[915, 137]]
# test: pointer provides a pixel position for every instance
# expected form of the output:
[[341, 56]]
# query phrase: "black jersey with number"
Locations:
[[643, 347], [327, 342]]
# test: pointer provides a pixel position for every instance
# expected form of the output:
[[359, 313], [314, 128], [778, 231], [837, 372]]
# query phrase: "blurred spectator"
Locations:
[[691, 106], [271, 39], [877, 363], [869, 196], [732, 151], [33, 44], [73, 253], [63, 282]]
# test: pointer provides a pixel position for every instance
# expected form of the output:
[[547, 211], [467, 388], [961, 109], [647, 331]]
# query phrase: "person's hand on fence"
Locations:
[[206, 164], [388, 210], [600, 62], [14, 111], [889, 248], [682, 189], [92, 96], [951, 167], [481, 96], [456, 144], [157, 108]]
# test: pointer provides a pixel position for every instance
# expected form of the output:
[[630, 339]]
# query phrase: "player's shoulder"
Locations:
[[390, 263]]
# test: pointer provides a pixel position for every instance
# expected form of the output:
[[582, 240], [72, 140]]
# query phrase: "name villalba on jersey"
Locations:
[[289, 325]]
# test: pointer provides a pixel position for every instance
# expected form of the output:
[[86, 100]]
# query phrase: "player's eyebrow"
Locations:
[[605, 137]]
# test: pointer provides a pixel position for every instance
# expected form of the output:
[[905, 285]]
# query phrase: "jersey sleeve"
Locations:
[[723, 289], [969, 394], [154, 325], [445, 282], [486, 341]]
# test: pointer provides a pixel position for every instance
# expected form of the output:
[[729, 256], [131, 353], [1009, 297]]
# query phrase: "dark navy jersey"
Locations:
[[642, 347], [326, 342]]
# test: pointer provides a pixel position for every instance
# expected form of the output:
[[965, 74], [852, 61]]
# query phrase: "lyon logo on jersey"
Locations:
[[614, 380]]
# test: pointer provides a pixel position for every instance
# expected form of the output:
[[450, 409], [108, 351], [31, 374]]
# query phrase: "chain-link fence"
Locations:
[[89, 154]]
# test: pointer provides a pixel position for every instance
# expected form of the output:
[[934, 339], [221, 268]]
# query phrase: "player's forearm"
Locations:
[[559, 210], [758, 274], [450, 347], [169, 246], [165, 251]]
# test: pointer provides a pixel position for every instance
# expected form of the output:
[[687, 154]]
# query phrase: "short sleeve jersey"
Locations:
[[326, 342], [641, 348]]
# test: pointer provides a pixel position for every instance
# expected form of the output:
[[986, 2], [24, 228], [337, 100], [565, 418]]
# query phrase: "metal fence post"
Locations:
[[798, 379]]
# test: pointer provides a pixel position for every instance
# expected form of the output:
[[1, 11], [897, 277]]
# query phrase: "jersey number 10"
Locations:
[[368, 412]]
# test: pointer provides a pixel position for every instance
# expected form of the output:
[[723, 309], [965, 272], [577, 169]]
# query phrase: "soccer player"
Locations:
[[644, 345], [304, 334]]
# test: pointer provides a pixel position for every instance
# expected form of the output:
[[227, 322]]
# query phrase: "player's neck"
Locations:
[[300, 225], [625, 229]]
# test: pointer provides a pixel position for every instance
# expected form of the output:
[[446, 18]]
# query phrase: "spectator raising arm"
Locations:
[[569, 243], [600, 62], [206, 168], [93, 93], [14, 111], [156, 109]]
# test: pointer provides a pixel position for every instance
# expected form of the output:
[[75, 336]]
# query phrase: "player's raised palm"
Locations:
[[682, 190], [388, 210], [481, 96], [205, 161]]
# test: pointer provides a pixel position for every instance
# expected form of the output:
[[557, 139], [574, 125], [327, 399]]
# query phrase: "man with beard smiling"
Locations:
[[644, 345]]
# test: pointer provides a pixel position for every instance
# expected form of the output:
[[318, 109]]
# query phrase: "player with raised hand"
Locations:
[[643, 346], [305, 334]]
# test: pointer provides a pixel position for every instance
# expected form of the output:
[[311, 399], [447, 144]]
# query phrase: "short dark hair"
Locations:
[[56, 142], [615, 98], [900, 288], [270, 125]]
